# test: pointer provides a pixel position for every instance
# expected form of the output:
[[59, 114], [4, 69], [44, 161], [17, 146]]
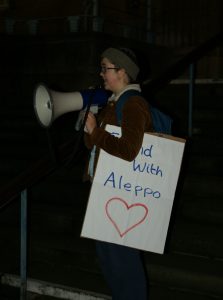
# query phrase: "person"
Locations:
[[122, 266]]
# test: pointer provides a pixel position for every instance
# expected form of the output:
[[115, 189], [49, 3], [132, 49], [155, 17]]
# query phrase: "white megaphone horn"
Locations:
[[50, 104]]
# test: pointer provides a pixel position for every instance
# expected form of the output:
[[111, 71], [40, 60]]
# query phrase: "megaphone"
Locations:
[[50, 104]]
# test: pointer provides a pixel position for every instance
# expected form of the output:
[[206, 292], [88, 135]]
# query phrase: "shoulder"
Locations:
[[136, 102]]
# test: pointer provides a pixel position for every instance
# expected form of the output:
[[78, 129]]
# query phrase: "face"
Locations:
[[113, 77]]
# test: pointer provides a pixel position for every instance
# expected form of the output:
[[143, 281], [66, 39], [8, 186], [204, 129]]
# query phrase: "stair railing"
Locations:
[[46, 166], [188, 62], [18, 189]]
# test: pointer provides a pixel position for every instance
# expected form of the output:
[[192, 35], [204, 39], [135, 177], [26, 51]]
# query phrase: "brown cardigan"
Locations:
[[136, 120]]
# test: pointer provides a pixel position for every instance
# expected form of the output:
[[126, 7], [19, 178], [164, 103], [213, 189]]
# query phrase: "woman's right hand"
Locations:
[[91, 123]]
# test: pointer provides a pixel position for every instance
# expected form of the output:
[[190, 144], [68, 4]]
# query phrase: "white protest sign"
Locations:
[[130, 203]]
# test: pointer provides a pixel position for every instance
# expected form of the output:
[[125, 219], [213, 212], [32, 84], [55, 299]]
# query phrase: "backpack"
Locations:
[[162, 123]]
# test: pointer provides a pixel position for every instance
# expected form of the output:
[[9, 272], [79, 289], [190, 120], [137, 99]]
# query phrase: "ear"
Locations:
[[123, 74]]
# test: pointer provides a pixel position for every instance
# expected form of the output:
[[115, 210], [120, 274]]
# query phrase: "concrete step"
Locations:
[[201, 209], [55, 232], [40, 290], [195, 229], [44, 290], [199, 275], [205, 164], [196, 275], [207, 122], [196, 237], [174, 96], [207, 105], [202, 186]]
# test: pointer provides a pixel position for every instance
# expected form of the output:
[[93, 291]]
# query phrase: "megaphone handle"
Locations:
[[86, 113], [81, 131]]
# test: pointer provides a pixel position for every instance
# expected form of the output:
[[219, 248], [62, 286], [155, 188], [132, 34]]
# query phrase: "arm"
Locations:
[[134, 118]]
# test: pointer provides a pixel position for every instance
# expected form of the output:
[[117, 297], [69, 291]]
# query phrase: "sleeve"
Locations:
[[134, 118]]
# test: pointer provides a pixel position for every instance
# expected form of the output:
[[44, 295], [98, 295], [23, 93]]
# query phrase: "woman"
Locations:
[[122, 266]]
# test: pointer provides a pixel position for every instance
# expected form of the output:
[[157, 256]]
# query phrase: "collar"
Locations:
[[133, 86]]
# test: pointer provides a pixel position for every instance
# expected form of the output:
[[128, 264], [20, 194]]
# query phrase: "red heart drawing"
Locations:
[[114, 219]]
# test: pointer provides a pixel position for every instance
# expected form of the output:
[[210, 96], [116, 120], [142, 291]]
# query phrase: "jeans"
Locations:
[[123, 270]]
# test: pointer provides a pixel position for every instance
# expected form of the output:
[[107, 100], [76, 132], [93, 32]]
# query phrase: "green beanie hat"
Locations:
[[122, 60]]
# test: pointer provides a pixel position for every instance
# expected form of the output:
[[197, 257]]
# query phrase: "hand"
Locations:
[[90, 123]]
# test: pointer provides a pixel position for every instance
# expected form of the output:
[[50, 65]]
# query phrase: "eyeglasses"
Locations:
[[104, 69]]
